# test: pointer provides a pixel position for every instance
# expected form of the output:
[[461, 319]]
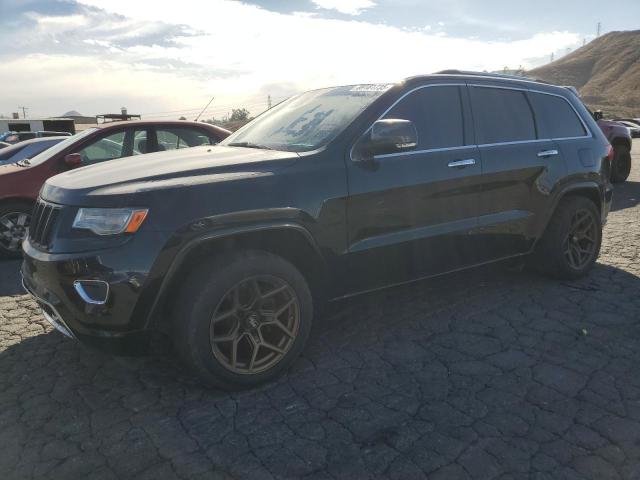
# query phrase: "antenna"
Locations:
[[204, 109]]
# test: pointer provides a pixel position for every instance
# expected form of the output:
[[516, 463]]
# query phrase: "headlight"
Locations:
[[110, 221]]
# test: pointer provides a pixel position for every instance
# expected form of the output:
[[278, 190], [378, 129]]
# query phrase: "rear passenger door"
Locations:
[[411, 214], [520, 169]]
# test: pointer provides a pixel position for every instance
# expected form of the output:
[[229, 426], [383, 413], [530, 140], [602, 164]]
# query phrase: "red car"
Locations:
[[20, 183]]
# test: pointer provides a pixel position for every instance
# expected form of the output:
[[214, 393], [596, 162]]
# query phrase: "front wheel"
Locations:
[[14, 222], [621, 164], [242, 319], [571, 243]]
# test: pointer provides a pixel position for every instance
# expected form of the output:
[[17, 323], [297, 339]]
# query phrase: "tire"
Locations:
[[14, 220], [552, 256], [621, 165], [210, 293]]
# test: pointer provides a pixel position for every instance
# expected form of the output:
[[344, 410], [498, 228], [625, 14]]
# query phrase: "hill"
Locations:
[[606, 72]]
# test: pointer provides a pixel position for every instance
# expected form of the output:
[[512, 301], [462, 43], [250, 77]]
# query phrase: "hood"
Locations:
[[10, 168], [163, 170]]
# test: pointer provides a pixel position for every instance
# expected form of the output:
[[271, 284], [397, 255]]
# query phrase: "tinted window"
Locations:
[[556, 118], [32, 149], [140, 142], [173, 138], [501, 115], [437, 114], [106, 148]]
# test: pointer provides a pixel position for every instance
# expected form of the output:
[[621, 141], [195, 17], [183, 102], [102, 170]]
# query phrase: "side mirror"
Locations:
[[392, 136], [598, 115], [73, 160]]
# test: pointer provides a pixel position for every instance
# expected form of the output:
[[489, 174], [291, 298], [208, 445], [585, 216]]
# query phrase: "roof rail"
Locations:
[[489, 74]]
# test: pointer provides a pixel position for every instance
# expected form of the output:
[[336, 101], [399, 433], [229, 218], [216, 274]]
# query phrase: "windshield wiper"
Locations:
[[249, 145]]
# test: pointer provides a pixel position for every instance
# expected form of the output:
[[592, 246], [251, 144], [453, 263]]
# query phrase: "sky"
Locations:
[[168, 59]]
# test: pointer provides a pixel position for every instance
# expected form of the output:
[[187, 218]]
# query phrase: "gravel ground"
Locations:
[[482, 374]]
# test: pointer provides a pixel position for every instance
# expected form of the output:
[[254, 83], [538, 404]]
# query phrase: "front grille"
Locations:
[[43, 221]]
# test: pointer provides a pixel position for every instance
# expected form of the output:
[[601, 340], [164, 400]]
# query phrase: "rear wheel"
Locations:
[[571, 243], [242, 319], [621, 165], [14, 222]]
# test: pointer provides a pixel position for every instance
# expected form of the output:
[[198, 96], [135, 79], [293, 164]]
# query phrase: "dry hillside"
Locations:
[[606, 71]]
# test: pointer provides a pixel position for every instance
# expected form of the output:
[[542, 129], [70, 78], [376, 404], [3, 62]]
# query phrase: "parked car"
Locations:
[[331, 193], [27, 149], [632, 120], [16, 137], [620, 138], [21, 182], [634, 128]]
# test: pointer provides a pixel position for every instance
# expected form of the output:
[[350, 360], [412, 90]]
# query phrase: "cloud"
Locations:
[[348, 7], [153, 57]]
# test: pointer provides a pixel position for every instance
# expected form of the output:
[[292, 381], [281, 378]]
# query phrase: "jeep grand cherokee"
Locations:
[[333, 192]]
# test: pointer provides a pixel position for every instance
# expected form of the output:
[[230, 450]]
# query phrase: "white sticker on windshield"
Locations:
[[373, 87]]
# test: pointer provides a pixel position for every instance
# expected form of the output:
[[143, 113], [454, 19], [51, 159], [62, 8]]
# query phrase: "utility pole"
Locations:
[[584, 42], [598, 28], [551, 60], [269, 102], [24, 111]]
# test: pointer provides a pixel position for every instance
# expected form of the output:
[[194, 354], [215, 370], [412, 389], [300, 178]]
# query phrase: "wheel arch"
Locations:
[[290, 241], [24, 200], [623, 141], [589, 190]]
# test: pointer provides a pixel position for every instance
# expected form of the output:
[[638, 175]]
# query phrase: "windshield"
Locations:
[[307, 121], [47, 154]]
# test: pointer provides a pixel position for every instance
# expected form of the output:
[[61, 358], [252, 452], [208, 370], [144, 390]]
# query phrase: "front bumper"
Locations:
[[119, 324]]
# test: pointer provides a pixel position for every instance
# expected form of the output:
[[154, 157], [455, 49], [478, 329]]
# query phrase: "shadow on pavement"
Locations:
[[383, 372], [625, 195]]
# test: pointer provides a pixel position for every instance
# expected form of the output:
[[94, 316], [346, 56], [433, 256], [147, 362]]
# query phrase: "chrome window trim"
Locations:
[[478, 145], [416, 152], [531, 90], [451, 84]]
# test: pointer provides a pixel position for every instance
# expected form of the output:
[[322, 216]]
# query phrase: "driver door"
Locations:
[[414, 213]]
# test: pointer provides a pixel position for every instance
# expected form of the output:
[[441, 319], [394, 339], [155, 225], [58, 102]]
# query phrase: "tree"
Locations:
[[239, 115]]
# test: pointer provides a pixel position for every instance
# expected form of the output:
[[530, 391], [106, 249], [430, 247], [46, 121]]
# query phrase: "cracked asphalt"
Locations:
[[484, 374]]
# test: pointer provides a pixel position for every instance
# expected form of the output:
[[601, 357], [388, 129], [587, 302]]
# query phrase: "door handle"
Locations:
[[547, 153], [462, 163]]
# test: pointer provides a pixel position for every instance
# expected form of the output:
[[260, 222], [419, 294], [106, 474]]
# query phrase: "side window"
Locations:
[[173, 138], [501, 115], [556, 118], [437, 114], [106, 148], [140, 142]]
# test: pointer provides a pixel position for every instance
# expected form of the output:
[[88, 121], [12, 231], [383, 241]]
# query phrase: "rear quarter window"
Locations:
[[556, 118]]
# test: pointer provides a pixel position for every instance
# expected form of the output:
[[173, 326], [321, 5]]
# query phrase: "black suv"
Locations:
[[331, 193]]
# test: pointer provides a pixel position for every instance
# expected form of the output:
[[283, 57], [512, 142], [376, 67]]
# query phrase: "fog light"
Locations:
[[94, 292]]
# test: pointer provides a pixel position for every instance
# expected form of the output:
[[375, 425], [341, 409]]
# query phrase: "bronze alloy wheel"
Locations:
[[580, 243], [13, 230], [255, 324]]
